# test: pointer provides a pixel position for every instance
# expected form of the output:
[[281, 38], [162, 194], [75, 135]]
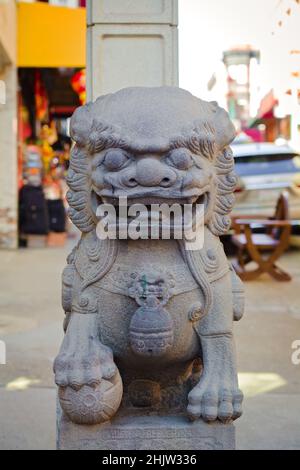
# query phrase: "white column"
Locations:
[[131, 43]]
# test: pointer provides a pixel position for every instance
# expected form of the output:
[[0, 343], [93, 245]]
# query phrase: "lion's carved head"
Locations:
[[151, 145]]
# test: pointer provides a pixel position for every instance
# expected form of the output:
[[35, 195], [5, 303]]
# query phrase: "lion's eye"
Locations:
[[181, 159], [115, 159]]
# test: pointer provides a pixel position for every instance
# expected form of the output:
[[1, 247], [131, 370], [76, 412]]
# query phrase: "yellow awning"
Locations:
[[50, 36]]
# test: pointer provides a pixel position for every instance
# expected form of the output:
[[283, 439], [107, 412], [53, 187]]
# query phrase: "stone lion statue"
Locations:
[[148, 325]]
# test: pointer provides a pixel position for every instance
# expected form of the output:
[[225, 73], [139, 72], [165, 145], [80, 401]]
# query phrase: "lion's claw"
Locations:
[[222, 404], [74, 370]]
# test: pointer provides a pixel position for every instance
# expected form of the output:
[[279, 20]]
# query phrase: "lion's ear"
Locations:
[[81, 124], [224, 128]]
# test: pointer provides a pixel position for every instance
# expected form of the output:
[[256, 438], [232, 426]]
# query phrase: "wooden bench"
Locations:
[[254, 246]]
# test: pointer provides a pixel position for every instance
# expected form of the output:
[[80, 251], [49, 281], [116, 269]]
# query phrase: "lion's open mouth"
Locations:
[[153, 213], [202, 199]]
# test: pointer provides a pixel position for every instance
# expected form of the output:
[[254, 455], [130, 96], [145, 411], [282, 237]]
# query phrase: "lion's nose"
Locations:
[[151, 172]]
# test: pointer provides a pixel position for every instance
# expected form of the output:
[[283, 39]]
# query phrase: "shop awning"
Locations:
[[50, 36]]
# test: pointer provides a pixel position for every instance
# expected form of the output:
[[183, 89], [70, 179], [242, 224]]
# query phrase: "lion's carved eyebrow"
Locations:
[[199, 139], [202, 147], [103, 135]]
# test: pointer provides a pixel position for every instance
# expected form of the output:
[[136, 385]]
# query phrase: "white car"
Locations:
[[264, 171]]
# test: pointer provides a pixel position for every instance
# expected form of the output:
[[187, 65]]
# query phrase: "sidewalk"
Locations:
[[31, 325]]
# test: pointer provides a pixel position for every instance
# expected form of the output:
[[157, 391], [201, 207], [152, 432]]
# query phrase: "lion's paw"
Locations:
[[77, 368], [211, 401], [90, 387]]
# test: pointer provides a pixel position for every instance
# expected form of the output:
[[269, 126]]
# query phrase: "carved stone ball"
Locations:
[[92, 405]]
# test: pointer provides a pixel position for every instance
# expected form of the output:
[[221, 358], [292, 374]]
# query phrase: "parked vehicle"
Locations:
[[264, 170]]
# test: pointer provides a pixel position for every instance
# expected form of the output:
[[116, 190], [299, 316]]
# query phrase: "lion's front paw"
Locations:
[[217, 395], [79, 368], [211, 400], [90, 387]]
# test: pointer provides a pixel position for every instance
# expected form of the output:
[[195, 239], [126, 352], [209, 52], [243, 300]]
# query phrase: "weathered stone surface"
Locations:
[[149, 322], [147, 433]]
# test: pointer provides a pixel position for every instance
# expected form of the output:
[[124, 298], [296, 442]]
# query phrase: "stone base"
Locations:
[[146, 433]]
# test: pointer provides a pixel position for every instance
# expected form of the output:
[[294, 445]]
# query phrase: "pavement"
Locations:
[[31, 326]]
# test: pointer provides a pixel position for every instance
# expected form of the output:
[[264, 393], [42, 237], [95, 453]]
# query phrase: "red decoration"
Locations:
[[78, 82], [41, 99]]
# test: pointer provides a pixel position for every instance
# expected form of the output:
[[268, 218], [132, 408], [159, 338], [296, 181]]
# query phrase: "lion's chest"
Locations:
[[145, 301]]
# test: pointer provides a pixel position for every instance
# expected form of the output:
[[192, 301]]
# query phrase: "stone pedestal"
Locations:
[[147, 433], [131, 43]]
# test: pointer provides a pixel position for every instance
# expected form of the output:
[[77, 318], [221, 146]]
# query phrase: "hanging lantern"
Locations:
[[78, 82]]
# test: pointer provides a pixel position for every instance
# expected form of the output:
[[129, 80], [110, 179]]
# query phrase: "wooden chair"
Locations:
[[254, 246]]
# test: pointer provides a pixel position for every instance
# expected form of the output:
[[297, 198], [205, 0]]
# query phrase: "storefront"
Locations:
[[47, 98], [51, 84]]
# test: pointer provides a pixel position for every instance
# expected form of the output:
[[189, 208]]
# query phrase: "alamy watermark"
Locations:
[[155, 221], [296, 354], [2, 353], [2, 92]]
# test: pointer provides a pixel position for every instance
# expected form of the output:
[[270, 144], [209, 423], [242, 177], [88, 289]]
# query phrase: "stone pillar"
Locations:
[[131, 43], [8, 126]]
